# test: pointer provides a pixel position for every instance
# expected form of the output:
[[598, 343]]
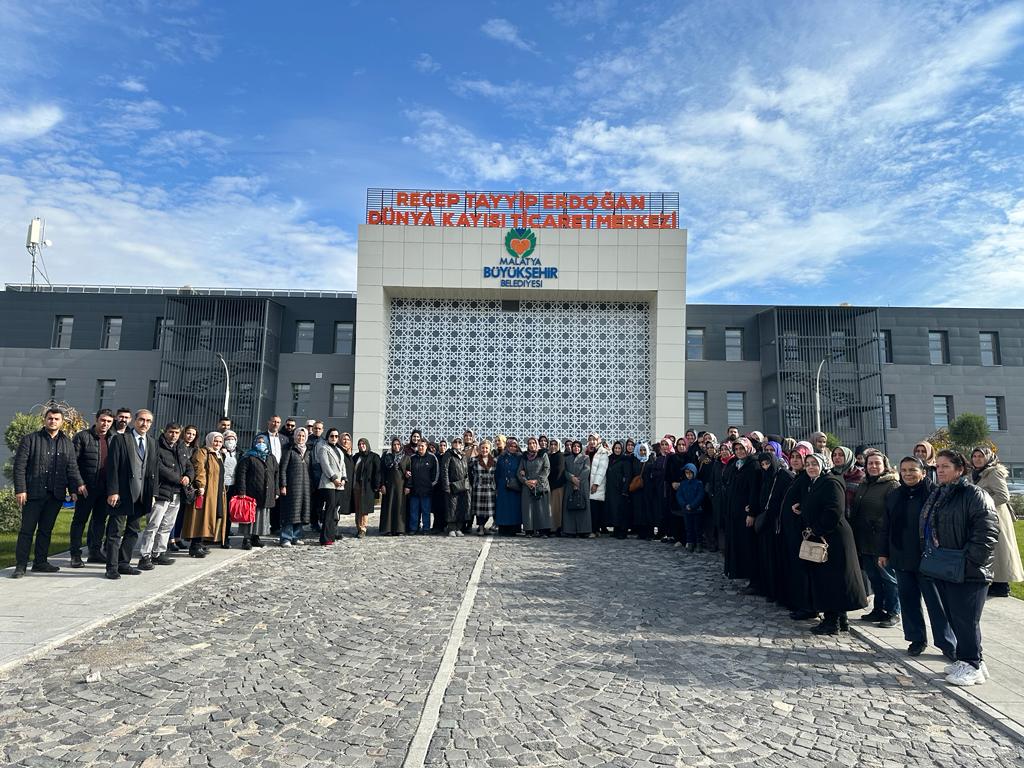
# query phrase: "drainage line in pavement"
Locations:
[[417, 754]]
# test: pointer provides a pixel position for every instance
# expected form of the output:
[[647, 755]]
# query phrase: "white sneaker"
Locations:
[[452, 534], [950, 668], [678, 544], [965, 674], [459, 533], [984, 670], [286, 543]]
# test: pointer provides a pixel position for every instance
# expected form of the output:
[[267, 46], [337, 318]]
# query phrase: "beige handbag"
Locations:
[[813, 551]]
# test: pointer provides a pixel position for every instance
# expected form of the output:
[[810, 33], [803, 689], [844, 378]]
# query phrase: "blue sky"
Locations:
[[824, 152]]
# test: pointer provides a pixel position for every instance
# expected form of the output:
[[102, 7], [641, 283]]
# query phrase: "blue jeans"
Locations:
[[692, 522], [883, 584], [419, 509], [291, 532], [913, 588]]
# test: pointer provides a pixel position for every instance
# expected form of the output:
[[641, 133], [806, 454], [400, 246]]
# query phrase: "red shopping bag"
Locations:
[[242, 509]]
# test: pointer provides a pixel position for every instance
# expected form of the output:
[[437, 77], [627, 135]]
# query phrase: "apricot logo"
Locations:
[[520, 243]]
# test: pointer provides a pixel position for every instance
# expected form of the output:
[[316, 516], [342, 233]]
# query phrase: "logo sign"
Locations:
[[521, 268], [520, 243]]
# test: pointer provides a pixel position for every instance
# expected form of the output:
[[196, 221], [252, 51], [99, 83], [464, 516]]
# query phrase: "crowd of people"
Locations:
[[812, 529]]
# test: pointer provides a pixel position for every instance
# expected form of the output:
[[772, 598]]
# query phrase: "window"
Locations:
[[344, 338], [995, 412], [62, 328], [57, 389], [885, 346], [111, 333], [250, 335], [735, 406], [790, 346], [694, 343], [696, 408], [304, 336], [106, 389], [733, 343], [341, 400], [889, 411], [839, 346], [938, 347], [942, 408], [156, 388], [300, 400], [990, 348]]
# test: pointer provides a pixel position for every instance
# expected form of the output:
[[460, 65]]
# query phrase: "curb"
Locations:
[[59, 640], [986, 712]]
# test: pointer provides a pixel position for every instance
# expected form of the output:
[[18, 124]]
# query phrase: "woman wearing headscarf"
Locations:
[[675, 466], [960, 517], [508, 509], [721, 473], [844, 464], [924, 451], [392, 490], [903, 555], [576, 514], [556, 479], [707, 455], [741, 509], [534, 472], [774, 482], [206, 523], [365, 485], [659, 496], [990, 475], [296, 488], [867, 518], [256, 477], [794, 581], [482, 501], [837, 585], [598, 486], [642, 525], [616, 498], [229, 455]]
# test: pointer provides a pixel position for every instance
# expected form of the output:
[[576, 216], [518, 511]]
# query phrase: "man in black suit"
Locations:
[[132, 479]]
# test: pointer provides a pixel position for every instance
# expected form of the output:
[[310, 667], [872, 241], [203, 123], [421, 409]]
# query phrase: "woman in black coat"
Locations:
[[673, 516], [616, 494], [647, 501], [366, 484], [256, 477], [837, 585], [740, 510], [716, 489], [296, 488], [793, 576], [775, 481]]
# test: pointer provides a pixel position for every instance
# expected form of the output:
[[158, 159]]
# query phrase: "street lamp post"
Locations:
[[227, 384]]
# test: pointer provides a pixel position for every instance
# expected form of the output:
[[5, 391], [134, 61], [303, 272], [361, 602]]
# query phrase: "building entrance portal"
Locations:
[[560, 368]]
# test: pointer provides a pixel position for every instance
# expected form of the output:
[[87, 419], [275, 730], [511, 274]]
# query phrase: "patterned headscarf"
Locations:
[[804, 447], [848, 460], [823, 461], [644, 457], [745, 442]]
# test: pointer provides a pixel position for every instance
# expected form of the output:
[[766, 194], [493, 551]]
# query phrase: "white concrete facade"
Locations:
[[593, 265]]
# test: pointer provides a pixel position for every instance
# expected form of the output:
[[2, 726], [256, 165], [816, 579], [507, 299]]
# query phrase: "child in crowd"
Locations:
[[690, 496]]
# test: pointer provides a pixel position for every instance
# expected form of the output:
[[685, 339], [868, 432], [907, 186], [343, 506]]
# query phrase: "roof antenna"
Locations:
[[35, 243]]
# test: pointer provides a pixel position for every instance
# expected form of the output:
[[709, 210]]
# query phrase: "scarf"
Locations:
[[848, 461], [531, 455], [642, 457], [938, 498], [990, 459]]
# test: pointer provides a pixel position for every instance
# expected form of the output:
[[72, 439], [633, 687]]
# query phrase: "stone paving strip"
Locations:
[[300, 657], [626, 654]]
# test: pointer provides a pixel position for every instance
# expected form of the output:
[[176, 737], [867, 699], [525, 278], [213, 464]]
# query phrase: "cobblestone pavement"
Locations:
[[576, 653]]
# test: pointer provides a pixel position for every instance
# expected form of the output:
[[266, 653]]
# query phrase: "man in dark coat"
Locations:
[[92, 446], [45, 470], [132, 482], [422, 473], [176, 474]]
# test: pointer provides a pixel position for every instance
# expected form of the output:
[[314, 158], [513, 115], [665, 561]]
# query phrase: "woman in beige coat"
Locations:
[[209, 521], [990, 476]]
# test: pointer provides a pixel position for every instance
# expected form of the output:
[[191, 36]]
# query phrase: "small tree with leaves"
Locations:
[[963, 434], [26, 423]]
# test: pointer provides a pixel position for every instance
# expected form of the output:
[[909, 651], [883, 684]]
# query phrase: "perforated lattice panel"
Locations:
[[554, 368]]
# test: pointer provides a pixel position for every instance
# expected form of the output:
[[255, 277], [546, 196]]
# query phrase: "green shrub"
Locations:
[[1017, 506], [10, 513]]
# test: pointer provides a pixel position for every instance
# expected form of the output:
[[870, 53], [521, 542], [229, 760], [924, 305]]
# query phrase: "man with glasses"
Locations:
[[132, 481]]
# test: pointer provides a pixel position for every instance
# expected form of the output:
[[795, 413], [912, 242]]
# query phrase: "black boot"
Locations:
[[196, 550], [828, 625], [844, 623]]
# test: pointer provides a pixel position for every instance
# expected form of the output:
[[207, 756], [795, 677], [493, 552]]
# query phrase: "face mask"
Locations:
[[230, 444]]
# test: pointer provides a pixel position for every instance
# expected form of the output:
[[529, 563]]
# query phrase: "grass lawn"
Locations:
[[1017, 590], [59, 542]]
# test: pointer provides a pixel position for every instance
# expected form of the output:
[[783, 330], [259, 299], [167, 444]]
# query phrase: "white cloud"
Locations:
[[181, 147], [132, 85], [230, 231], [425, 63], [30, 123], [507, 32]]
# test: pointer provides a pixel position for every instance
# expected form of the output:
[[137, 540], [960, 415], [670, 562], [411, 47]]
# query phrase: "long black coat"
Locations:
[[647, 510], [795, 585], [837, 585], [119, 474], [367, 480], [616, 494], [258, 478], [773, 486], [741, 498], [392, 501], [297, 480]]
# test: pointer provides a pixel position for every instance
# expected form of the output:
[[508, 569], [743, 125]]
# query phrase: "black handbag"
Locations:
[[513, 484], [577, 501], [944, 564]]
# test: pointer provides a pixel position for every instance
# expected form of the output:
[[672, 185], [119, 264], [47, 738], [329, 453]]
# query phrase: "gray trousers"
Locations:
[[158, 528]]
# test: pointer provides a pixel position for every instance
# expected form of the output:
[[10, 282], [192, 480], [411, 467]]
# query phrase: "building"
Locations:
[[560, 330]]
